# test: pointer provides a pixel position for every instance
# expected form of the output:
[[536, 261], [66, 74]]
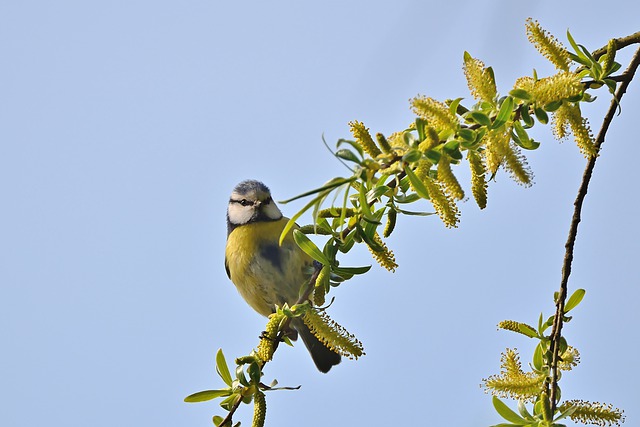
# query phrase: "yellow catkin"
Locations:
[[569, 116], [446, 176], [569, 359], [431, 139], [423, 168], [267, 345], [259, 409], [391, 223], [497, 144], [480, 81], [596, 413], [435, 112], [383, 143], [478, 178], [322, 283], [385, 257], [512, 325], [363, 138], [610, 56], [512, 381], [442, 202], [332, 335], [560, 86], [548, 45], [516, 164]]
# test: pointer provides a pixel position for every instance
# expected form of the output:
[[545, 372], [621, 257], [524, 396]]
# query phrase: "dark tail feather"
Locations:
[[323, 357]]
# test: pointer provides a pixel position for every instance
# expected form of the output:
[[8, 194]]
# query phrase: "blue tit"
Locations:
[[265, 273]]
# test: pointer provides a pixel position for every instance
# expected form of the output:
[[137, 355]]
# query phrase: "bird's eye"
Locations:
[[244, 202]]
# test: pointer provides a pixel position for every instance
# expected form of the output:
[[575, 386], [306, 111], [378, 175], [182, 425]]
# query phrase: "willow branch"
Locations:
[[573, 229], [620, 43]]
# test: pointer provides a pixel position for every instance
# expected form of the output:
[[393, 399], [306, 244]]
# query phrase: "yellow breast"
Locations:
[[265, 273]]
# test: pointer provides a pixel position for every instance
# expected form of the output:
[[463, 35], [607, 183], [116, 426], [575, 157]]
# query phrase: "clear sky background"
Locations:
[[124, 125]]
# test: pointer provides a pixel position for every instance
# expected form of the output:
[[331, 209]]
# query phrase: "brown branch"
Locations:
[[620, 43], [573, 229]]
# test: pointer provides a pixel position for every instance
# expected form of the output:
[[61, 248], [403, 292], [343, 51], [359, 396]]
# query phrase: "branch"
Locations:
[[620, 43], [573, 229]]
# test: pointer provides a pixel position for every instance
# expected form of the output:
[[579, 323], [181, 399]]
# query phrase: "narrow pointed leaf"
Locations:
[[507, 413], [223, 368], [203, 396], [506, 109], [309, 247], [574, 300], [417, 185]]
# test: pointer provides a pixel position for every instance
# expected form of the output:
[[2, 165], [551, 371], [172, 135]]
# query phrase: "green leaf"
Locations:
[[467, 134], [241, 376], [579, 52], [230, 401], [223, 368], [506, 109], [520, 94], [507, 413], [538, 360], [354, 144], [452, 148], [574, 300], [330, 185], [522, 408], [412, 213], [480, 118], [203, 396], [527, 330], [349, 155], [309, 247], [412, 156], [541, 115], [526, 116], [351, 270], [375, 193], [433, 156], [410, 198], [420, 124], [553, 106], [453, 107], [217, 420], [417, 185], [523, 139]]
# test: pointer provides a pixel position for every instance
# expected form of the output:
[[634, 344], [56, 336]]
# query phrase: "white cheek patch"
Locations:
[[239, 214]]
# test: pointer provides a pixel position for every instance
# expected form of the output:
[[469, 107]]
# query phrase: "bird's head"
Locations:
[[251, 202]]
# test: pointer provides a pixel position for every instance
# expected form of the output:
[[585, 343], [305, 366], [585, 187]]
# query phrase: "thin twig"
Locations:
[[573, 229]]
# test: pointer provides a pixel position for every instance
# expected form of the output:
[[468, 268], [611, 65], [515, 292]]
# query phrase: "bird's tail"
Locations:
[[323, 357]]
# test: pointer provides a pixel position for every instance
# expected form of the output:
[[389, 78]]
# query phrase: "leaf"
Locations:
[[354, 144], [453, 107], [522, 408], [574, 300], [523, 139], [349, 155], [203, 396], [309, 247], [413, 213], [520, 94], [506, 109], [420, 124], [452, 148], [538, 360], [480, 118], [433, 156], [526, 116], [412, 156], [351, 270], [417, 185], [507, 413], [553, 106], [541, 115], [223, 368], [330, 185], [467, 134], [580, 54]]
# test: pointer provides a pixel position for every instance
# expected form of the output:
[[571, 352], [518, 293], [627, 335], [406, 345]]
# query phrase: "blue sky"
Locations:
[[124, 125]]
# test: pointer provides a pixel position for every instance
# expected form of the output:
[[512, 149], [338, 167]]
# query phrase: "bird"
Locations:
[[264, 272]]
